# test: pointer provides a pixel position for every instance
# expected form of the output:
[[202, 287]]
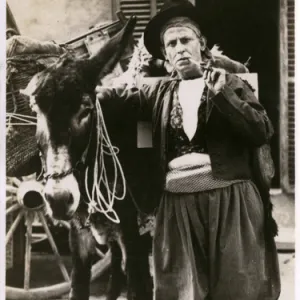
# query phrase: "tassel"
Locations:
[[247, 63]]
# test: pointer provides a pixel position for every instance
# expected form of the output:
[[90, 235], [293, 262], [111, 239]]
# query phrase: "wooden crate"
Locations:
[[89, 43]]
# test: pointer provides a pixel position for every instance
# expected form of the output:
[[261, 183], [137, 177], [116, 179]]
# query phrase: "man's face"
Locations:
[[182, 49]]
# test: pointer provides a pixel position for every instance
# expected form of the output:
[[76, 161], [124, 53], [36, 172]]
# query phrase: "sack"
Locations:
[[263, 165], [25, 58], [21, 45]]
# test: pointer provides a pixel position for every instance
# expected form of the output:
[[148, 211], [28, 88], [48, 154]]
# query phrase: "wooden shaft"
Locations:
[[53, 246], [13, 227], [12, 208], [29, 219]]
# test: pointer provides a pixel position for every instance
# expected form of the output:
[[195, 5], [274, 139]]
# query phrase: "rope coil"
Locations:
[[96, 199]]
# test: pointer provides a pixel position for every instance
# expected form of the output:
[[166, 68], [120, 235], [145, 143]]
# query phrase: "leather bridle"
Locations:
[[44, 175]]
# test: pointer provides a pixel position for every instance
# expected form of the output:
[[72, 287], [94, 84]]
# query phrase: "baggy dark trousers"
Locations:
[[211, 246]]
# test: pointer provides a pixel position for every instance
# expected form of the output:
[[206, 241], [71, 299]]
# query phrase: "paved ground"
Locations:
[[287, 265], [48, 267]]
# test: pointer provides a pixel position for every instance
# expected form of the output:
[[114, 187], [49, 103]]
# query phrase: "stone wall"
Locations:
[[59, 20]]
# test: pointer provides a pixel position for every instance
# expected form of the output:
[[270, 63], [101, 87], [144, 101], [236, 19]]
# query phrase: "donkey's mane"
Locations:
[[60, 87]]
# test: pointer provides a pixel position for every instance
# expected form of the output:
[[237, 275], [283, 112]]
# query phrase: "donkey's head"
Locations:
[[63, 98]]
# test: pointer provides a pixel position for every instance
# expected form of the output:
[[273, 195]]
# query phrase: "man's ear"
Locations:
[[203, 42], [168, 67], [163, 51], [167, 64]]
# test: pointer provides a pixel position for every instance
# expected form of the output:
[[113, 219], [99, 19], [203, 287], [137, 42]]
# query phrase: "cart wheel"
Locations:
[[28, 212]]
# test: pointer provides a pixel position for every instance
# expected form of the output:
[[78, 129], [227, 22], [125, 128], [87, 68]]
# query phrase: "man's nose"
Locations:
[[179, 47]]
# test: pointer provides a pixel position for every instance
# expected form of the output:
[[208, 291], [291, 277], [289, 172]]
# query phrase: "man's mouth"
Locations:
[[184, 60]]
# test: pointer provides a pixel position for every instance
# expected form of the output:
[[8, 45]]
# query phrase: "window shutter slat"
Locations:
[[291, 91], [142, 10]]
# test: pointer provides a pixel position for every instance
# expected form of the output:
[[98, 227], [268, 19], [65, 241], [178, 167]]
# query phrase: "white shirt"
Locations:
[[189, 96]]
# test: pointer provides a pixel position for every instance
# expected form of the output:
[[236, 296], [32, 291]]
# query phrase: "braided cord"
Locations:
[[96, 200]]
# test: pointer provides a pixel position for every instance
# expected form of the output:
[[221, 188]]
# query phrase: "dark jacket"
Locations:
[[236, 123]]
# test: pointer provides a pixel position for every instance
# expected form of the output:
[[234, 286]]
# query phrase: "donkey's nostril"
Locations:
[[69, 200], [66, 198], [61, 203], [49, 198]]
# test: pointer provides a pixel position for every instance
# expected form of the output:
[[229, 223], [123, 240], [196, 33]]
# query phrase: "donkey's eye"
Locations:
[[81, 119], [40, 148], [85, 113]]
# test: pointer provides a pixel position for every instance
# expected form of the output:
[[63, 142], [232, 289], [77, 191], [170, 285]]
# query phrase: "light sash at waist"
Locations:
[[190, 160], [192, 173]]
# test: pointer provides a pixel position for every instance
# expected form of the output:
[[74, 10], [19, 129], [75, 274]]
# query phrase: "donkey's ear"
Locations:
[[104, 61]]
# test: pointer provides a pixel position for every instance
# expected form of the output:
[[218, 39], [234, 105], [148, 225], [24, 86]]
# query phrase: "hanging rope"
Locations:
[[96, 200], [20, 118]]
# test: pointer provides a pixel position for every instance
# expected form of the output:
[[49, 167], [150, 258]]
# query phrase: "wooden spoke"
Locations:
[[56, 291], [37, 218], [11, 189], [16, 181], [29, 218], [38, 237], [12, 208], [100, 253], [53, 246], [14, 226], [10, 199]]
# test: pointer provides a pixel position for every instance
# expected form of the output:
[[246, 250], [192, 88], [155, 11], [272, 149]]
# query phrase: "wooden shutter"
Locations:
[[291, 90], [287, 95], [143, 9]]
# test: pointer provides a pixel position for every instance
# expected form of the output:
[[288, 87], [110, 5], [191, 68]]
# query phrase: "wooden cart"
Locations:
[[26, 210]]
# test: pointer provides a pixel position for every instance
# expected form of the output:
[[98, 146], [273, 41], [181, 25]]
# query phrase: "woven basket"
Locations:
[[21, 150], [25, 58]]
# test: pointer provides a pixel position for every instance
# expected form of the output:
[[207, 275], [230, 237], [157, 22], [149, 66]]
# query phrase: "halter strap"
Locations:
[[80, 162], [61, 175]]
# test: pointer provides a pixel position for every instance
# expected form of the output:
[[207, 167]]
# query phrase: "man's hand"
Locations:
[[215, 79], [99, 92], [102, 93]]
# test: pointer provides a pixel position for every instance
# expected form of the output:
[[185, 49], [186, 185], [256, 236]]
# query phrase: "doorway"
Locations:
[[250, 28]]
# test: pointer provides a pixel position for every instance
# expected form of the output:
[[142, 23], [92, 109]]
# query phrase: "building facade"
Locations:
[[262, 30]]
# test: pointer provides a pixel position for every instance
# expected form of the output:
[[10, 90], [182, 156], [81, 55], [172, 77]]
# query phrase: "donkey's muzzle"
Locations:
[[61, 203], [30, 195]]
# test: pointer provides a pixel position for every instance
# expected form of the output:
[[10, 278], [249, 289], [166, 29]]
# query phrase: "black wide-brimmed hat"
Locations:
[[171, 9]]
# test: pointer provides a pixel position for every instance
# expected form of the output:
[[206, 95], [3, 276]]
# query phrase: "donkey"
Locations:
[[67, 136]]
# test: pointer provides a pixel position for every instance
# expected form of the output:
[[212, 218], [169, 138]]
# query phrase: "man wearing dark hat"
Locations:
[[214, 236]]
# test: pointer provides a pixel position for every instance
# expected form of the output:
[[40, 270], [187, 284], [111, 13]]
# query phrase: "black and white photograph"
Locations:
[[149, 150]]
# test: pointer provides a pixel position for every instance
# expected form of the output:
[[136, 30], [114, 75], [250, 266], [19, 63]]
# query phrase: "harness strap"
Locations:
[[80, 162], [59, 175]]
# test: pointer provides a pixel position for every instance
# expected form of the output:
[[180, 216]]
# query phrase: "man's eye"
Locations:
[[185, 40], [172, 44]]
